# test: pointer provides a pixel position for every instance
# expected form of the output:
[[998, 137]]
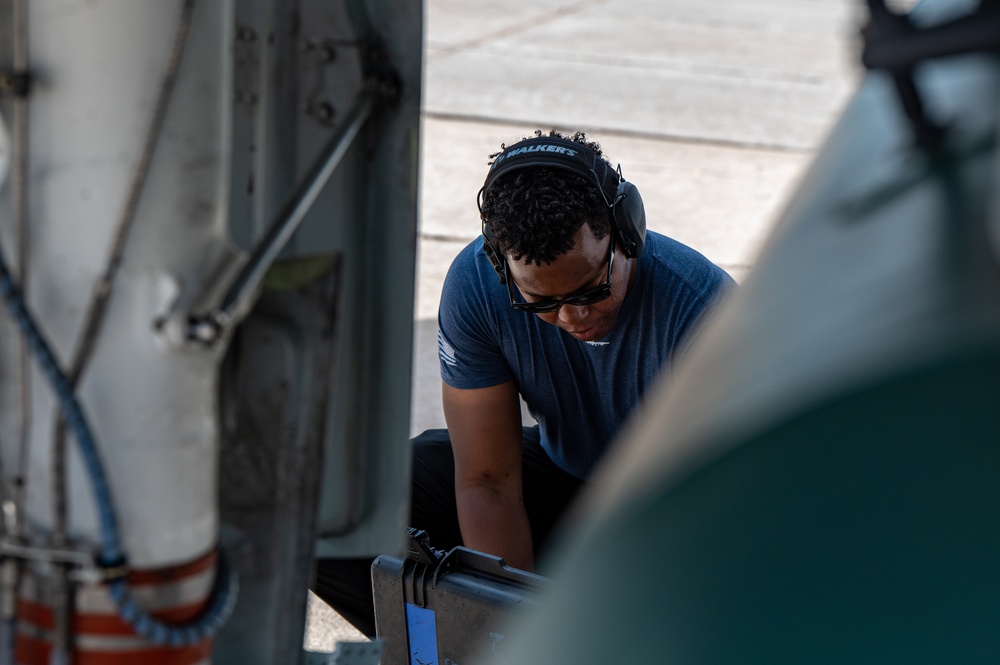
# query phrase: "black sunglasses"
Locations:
[[585, 297]]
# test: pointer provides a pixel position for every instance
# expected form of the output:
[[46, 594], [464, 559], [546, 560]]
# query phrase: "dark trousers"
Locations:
[[345, 584]]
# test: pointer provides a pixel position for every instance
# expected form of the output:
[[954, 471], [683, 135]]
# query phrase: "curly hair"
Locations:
[[534, 212]]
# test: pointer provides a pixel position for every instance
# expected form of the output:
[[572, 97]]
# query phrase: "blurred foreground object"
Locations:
[[819, 482]]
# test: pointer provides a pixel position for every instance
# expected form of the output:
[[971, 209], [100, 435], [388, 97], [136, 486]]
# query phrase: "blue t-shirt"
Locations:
[[579, 392]]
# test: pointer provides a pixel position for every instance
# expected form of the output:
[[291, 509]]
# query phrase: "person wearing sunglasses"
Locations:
[[567, 302]]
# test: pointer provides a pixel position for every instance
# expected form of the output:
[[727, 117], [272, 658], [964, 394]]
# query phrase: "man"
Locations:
[[567, 302]]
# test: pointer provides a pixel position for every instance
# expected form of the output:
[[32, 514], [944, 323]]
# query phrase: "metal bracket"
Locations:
[[382, 87], [381, 79], [83, 566], [14, 83], [211, 327]]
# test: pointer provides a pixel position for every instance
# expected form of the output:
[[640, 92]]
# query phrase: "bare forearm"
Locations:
[[497, 524]]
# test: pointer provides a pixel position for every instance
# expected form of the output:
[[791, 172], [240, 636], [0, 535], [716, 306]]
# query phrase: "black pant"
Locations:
[[345, 584]]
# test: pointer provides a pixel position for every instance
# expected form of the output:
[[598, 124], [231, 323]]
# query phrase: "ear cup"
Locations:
[[629, 217]]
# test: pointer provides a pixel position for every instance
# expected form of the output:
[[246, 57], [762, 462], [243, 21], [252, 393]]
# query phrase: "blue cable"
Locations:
[[58, 657], [223, 598], [72, 413], [7, 628], [225, 589]]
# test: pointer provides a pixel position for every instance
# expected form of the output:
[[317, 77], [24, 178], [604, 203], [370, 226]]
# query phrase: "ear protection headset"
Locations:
[[628, 217]]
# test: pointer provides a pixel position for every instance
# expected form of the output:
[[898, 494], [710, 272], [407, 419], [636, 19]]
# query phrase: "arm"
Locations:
[[485, 429]]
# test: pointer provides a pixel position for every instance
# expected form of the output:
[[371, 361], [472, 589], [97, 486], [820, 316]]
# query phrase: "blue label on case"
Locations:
[[421, 635]]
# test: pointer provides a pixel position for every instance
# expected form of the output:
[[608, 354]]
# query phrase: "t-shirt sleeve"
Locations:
[[469, 349], [704, 285]]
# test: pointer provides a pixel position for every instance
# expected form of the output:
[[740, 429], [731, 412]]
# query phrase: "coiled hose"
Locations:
[[226, 586]]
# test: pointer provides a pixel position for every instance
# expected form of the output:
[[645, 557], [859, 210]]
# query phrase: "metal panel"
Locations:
[[300, 68], [275, 391], [262, 86], [371, 425]]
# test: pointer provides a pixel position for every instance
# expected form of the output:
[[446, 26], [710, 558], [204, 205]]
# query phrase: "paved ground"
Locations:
[[713, 108]]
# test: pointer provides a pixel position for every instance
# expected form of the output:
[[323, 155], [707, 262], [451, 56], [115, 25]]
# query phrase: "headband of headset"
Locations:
[[559, 153], [628, 217]]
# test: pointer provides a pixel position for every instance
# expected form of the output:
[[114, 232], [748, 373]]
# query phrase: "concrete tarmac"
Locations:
[[713, 109]]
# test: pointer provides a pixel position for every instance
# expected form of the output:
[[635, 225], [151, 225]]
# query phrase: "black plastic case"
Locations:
[[433, 608]]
